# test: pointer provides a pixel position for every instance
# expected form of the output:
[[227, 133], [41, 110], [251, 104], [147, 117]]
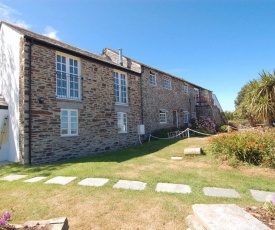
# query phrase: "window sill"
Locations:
[[69, 136], [163, 122], [121, 104], [69, 99]]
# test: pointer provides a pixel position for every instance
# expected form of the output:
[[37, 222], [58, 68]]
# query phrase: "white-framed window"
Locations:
[[185, 89], [196, 95], [122, 122], [185, 117], [121, 88], [153, 78], [163, 116], [68, 80], [193, 115], [69, 122], [167, 83]]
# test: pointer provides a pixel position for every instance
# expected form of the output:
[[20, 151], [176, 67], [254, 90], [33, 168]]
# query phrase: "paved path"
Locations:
[[258, 195]]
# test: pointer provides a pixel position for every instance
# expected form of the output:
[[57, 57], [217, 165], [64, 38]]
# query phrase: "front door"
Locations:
[[175, 118]]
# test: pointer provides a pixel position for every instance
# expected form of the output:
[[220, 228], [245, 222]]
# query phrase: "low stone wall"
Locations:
[[51, 224]]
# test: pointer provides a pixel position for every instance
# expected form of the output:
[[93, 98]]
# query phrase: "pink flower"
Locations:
[[2, 222], [7, 216]]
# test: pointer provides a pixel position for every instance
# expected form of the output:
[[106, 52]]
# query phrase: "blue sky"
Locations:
[[218, 44]]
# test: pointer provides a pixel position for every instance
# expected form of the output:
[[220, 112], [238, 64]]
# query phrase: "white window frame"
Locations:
[[153, 78], [185, 89], [167, 84], [69, 121], [122, 122], [186, 117], [66, 75], [120, 89], [163, 117]]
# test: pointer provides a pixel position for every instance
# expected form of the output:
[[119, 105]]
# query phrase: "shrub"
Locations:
[[253, 147], [162, 133], [222, 129], [204, 124]]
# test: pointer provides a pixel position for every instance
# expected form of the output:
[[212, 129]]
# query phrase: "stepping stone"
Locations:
[[127, 184], [35, 179], [261, 196], [176, 158], [97, 182], [221, 192], [226, 217], [13, 177], [60, 180], [173, 188]]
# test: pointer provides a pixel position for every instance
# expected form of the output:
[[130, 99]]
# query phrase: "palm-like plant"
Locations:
[[256, 100], [263, 97]]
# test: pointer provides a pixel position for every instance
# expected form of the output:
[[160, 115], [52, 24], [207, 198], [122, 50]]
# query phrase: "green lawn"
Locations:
[[109, 208]]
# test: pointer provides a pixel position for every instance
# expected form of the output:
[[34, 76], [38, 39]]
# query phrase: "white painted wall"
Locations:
[[9, 85], [4, 146]]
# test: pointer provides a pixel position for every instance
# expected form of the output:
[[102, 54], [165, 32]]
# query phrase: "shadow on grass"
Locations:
[[112, 156]]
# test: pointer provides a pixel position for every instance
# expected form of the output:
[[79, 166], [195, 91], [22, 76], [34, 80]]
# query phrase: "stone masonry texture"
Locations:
[[97, 112]]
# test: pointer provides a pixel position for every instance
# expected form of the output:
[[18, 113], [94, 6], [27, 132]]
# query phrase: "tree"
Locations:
[[256, 100]]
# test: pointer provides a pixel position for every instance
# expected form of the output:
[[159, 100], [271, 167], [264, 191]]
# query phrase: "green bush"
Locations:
[[253, 147], [222, 129], [163, 133]]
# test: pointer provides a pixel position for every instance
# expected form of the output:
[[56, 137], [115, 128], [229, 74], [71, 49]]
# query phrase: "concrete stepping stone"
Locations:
[[226, 217], [13, 177], [261, 196], [60, 180], [221, 192], [176, 158], [133, 185], [97, 182], [173, 188], [35, 179]]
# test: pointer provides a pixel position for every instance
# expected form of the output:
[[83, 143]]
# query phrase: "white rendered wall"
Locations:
[[9, 85], [4, 141]]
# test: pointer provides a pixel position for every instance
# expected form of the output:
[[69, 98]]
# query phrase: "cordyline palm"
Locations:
[[262, 97]]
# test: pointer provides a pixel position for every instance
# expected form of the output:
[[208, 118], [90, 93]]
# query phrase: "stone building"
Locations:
[[168, 101], [64, 102]]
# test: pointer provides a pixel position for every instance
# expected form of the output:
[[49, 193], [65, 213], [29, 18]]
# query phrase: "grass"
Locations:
[[109, 208]]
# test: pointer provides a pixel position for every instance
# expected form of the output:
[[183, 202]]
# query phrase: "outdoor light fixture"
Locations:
[[41, 100]]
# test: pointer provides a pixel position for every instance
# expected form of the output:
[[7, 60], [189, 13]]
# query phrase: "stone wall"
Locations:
[[97, 112], [156, 98]]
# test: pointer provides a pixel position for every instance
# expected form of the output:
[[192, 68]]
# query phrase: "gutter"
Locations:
[[30, 102]]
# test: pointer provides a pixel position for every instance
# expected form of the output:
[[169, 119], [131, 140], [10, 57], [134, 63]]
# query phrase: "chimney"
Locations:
[[120, 56]]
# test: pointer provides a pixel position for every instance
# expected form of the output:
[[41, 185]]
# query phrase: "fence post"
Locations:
[[188, 133]]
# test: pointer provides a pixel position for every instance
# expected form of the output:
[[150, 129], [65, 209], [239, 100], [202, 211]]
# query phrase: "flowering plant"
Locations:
[[204, 123], [4, 219], [270, 206]]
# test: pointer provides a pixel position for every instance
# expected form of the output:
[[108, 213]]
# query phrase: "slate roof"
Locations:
[[63, 45], [3, 104], [158, 70]]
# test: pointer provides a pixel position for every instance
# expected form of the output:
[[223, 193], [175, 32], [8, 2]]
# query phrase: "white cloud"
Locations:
[[51, 32], [11, 15]]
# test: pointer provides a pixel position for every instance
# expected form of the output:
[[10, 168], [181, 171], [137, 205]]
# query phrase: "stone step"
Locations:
[[224, 217]]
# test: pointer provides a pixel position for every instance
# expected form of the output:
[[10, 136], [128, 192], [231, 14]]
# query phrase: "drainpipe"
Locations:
[[141, 98], [30, 102]]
